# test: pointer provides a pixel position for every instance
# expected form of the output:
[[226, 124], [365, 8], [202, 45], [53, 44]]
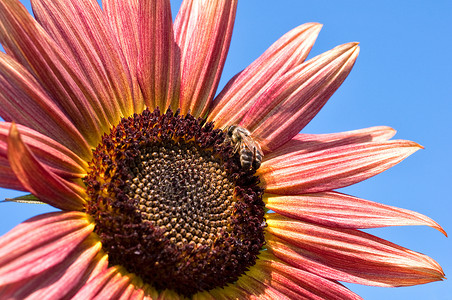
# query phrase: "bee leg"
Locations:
[[257, 158], [257, 162], [228, 140], [236, 148]]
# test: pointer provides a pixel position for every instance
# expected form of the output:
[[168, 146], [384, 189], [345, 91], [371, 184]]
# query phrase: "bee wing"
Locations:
[[251, 144]]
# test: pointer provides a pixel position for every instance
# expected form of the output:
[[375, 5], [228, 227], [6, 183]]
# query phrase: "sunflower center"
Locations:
[[173, 205], [183, 190]]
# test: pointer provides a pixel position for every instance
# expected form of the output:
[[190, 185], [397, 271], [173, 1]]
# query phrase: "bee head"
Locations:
[[231, 130]]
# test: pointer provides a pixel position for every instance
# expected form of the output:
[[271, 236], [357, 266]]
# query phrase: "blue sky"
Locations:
[[402, 79]]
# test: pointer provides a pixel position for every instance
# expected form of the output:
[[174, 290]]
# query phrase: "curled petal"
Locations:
[[124, 21], [53, 155], [288, 105], [40, 244], [39, 179], [159, 63], [203, 31], [360, 257], [333, 168], [243, 90], [58, 158], [83, 34], [25, 40], [343, 211], [8, 178], [24, 101]]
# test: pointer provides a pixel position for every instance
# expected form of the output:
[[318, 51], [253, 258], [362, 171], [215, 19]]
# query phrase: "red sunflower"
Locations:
[[111, 116]]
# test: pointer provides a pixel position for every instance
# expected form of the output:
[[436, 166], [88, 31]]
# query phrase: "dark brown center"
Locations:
[[173, 205]]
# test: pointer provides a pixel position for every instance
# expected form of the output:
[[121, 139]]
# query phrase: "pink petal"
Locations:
[[62, 279], [304, 283], [296, 97], [306, 260], [59, 159], [159, 64], [137, 294], [81, 30], [115, 287], [95, 285], [24, 101], [203, 31], [332, 168], [25, 40], [113, 283], [77, 270], [41, 243], [38, 179], [306, 143], [100, 266], [358, 256], [8, 179], [242, 91], [344, 211], [287, 289], [127, 293], [123, 18], [256, 289]]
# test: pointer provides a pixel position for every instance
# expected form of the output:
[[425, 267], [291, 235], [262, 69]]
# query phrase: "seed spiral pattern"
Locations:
[[183, 191]]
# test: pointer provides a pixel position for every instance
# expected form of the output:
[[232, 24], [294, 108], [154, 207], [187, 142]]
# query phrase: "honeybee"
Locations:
[[250, 151]]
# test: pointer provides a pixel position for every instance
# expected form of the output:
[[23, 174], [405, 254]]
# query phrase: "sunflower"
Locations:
[[167, 191]]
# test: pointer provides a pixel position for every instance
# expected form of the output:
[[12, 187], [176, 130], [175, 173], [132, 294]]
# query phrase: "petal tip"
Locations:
[[352, 47], [415, 145], [390, 129], [349, 52], [355, 47], [314, 26], [410, 146], [13, 132], [439, 228]]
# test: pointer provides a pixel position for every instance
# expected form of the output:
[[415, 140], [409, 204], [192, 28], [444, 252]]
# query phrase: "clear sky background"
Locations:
[[402, 78]]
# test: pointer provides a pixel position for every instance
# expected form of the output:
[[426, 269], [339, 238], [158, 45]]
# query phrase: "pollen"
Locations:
[[172, 204]]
